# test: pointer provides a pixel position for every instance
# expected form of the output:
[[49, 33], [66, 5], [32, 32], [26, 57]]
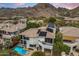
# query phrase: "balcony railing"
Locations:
[[45, 43]]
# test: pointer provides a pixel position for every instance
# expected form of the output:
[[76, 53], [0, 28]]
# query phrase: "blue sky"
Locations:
[[15, 5]]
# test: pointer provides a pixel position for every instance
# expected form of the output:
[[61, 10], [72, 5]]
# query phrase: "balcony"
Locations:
[[74, 43], [45, 44]]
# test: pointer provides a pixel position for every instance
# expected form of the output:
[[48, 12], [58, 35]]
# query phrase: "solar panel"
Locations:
[[42, 33]]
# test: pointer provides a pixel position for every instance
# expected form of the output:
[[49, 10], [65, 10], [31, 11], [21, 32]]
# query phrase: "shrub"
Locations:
[[65, 48], [38, 53], [52, 20], [32, 25]]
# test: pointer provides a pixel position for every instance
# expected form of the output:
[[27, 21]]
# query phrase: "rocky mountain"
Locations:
[[45, 10], [41, 9], [74, 12]]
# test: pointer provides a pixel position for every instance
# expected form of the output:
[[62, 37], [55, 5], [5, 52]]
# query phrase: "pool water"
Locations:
[[20, 50]]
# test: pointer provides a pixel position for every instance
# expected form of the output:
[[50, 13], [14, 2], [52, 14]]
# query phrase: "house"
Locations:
[[70, 36], [71, 20], [8, 30], [40, 38]]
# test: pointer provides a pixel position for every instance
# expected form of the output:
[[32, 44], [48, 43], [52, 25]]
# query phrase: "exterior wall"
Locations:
[[78, 44], [54, 30], [25, 45], [32, 41], [45, 46], [37, 41], [41, 39]]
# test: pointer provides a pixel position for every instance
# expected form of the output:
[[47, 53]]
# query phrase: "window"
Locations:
[[24, 42], [67, 41], [21, 41], [32, 45], [27, 38], [23, 37], [48, 40]]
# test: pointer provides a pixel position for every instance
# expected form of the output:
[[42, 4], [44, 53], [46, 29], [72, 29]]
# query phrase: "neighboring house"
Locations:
[[71, 20], [8, 30], [70, 36], [40, 38]]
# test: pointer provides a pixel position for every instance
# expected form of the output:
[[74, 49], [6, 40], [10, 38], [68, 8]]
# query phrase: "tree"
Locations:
[[52, 20], [38, 53], [16, 39], [7, 43], [58, 45], [60, 22], [32, 25], [65, 48]]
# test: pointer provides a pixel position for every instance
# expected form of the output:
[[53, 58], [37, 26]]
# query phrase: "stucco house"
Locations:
[[43, 37], [40, 38], [8, 30], [71, 20], [70, 36]]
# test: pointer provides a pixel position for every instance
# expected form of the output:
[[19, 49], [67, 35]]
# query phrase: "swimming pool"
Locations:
[[20, 50]]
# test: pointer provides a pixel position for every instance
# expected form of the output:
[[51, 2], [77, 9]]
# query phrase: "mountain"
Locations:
[[75, 12], [45, 10], [41, 9], [63, 12]]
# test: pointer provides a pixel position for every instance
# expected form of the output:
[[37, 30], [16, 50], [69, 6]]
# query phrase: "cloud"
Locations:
[[20, 4], [66, 5]]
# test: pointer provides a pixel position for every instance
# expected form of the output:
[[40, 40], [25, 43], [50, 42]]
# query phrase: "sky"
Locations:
[[16, 5]]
